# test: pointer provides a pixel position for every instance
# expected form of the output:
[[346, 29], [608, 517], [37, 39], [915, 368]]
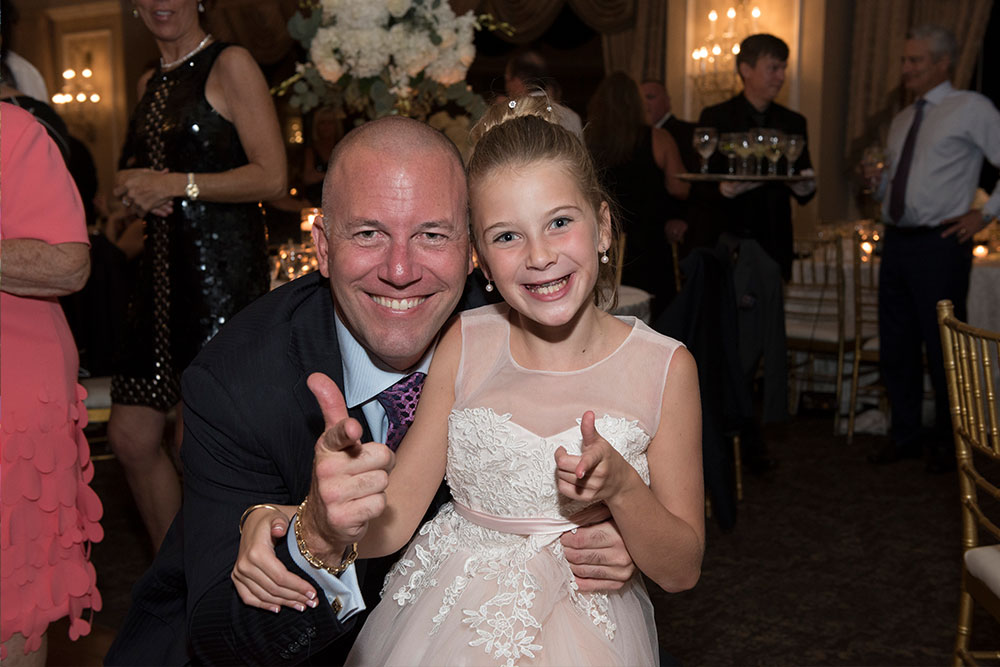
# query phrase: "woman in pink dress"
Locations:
[[49, 514]]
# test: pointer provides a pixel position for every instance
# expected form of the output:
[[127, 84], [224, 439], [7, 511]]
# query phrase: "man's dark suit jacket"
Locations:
[[251, 424], [763, 214]]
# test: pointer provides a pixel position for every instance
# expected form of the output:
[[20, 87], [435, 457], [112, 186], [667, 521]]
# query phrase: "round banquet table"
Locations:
[[634, 301]]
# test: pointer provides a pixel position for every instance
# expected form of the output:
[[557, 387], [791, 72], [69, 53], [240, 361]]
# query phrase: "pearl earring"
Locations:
[[489, 286], [201, 8], [604, 258], [135, 13]]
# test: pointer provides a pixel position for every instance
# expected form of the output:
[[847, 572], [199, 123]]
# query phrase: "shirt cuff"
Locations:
[[342, 590]]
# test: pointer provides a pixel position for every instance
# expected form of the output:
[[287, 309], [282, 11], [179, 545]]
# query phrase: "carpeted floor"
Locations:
[[832, 562]]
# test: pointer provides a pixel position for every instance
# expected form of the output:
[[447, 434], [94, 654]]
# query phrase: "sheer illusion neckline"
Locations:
[[629, 320]]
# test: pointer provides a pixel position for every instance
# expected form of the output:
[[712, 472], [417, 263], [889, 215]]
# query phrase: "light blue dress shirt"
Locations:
[[365, 377], [959, 129]]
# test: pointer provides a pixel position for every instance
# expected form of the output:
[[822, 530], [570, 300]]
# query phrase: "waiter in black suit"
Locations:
[[759, 210], [266, 422]]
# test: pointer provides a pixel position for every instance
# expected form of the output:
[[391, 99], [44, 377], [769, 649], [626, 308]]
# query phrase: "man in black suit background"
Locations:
[[659, 113], [748, 213], [278, 405]]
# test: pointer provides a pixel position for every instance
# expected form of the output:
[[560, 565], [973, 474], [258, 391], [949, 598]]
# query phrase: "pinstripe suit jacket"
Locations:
[[250, 426]]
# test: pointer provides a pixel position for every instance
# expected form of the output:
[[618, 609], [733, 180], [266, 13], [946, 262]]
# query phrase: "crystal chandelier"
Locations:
[[713, 64]]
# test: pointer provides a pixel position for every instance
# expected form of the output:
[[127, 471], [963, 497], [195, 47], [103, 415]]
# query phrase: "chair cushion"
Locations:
[[983, 563], [98, 392], [811, 330]]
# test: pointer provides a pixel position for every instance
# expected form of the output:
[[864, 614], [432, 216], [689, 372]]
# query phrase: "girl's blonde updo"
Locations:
[[524, 131]]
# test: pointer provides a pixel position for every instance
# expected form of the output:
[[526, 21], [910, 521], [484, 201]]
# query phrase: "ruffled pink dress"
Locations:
[[48, 514], [486, 581]]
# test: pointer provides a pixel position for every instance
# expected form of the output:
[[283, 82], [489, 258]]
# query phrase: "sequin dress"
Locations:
[[48, 513], [486, 581], [204, 262]]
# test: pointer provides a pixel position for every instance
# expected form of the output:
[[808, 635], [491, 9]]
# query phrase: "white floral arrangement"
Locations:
[[382, 57]]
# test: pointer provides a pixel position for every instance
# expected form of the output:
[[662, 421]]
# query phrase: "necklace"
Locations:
[[187, 55]]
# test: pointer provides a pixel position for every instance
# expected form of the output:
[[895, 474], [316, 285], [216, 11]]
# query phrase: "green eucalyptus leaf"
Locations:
[[302, 28]]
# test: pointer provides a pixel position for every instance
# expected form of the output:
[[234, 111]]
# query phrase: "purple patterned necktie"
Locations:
[[897, 200], [400, 403]]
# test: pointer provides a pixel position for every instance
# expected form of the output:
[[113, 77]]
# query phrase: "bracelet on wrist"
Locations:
[[247, 511], [350, 554]]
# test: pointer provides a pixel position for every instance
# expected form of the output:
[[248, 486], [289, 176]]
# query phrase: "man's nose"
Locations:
[[400, 267]]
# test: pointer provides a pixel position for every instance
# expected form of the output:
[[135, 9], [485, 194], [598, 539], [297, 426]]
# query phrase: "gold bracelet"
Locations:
[[246, 513], [346, 561]]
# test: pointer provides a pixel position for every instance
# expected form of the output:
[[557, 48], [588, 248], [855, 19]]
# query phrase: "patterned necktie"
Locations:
[[897, 200], [400, 403]]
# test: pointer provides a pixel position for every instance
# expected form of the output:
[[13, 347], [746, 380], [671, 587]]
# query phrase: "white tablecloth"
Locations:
[[634, 301]]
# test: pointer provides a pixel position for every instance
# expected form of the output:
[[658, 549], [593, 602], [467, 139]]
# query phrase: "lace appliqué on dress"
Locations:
[[498, 467]]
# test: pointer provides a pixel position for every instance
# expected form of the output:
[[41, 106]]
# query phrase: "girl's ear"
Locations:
[[481, 264], [604, 227]]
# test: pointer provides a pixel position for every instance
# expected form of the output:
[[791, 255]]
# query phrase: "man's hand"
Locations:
[[675, 230], [964, 227], [731, 189], [349, 478], [598, 557], [806, 187]]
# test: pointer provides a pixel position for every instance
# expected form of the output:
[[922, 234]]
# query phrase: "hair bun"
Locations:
[[499, 113]]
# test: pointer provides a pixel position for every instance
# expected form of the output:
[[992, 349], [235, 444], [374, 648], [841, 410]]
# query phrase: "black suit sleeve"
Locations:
[[233, 460]]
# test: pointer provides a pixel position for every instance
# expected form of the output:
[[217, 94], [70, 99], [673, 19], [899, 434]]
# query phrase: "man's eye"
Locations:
[[367, 234]]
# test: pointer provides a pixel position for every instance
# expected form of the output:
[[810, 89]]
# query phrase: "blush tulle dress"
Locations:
[[486, 581]]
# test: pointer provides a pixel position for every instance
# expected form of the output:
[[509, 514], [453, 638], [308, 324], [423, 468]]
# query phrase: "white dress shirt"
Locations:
[[364, 379], [958, 130]]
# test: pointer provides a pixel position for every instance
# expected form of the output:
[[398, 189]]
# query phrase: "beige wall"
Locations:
[[818, 33]]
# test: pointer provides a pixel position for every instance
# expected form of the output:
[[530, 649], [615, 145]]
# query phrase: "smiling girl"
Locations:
[[544, 413]]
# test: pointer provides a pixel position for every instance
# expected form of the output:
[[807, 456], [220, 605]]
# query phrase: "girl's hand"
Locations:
[[597, 473], [260, 578], [145, 190]]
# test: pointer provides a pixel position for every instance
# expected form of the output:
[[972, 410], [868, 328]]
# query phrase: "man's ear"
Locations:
[[743, 73], [322, 246]]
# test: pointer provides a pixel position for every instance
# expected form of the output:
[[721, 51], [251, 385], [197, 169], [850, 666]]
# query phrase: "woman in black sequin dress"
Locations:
[[203, 148]]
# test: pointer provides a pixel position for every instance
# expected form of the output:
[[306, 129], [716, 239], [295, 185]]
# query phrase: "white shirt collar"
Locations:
[[938, 92], [365, 375]]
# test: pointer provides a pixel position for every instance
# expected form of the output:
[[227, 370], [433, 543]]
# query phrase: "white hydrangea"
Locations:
[[398, 7], [362, 14], [365, 51], [356, 39], [411, 51]]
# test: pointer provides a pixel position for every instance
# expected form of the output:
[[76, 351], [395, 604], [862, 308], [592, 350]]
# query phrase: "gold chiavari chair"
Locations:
[[970, 360], [865, 359], [815, 310]]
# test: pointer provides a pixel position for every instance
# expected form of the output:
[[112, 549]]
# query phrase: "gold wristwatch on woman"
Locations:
[[191, 190]]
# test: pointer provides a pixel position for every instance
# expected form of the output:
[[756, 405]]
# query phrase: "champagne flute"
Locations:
[[775, 147], [758, 144], [794, 145], [744, 149], [727, 146], [705, 140]]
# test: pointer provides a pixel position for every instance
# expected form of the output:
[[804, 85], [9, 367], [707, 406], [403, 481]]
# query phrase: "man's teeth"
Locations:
[[398, 304], [548, 288]]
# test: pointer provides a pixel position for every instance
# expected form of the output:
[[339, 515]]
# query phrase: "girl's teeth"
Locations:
[[549, 288]]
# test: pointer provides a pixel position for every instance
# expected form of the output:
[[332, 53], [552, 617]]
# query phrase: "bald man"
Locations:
[[394, 255]]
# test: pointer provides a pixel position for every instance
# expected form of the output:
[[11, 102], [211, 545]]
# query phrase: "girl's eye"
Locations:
[[560, 222], [504, 237]]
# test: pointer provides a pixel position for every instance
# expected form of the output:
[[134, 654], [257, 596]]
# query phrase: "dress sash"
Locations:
[[531, 525]]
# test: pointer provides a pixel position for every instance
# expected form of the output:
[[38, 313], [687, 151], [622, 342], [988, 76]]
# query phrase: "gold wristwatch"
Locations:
[[191, 190]]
